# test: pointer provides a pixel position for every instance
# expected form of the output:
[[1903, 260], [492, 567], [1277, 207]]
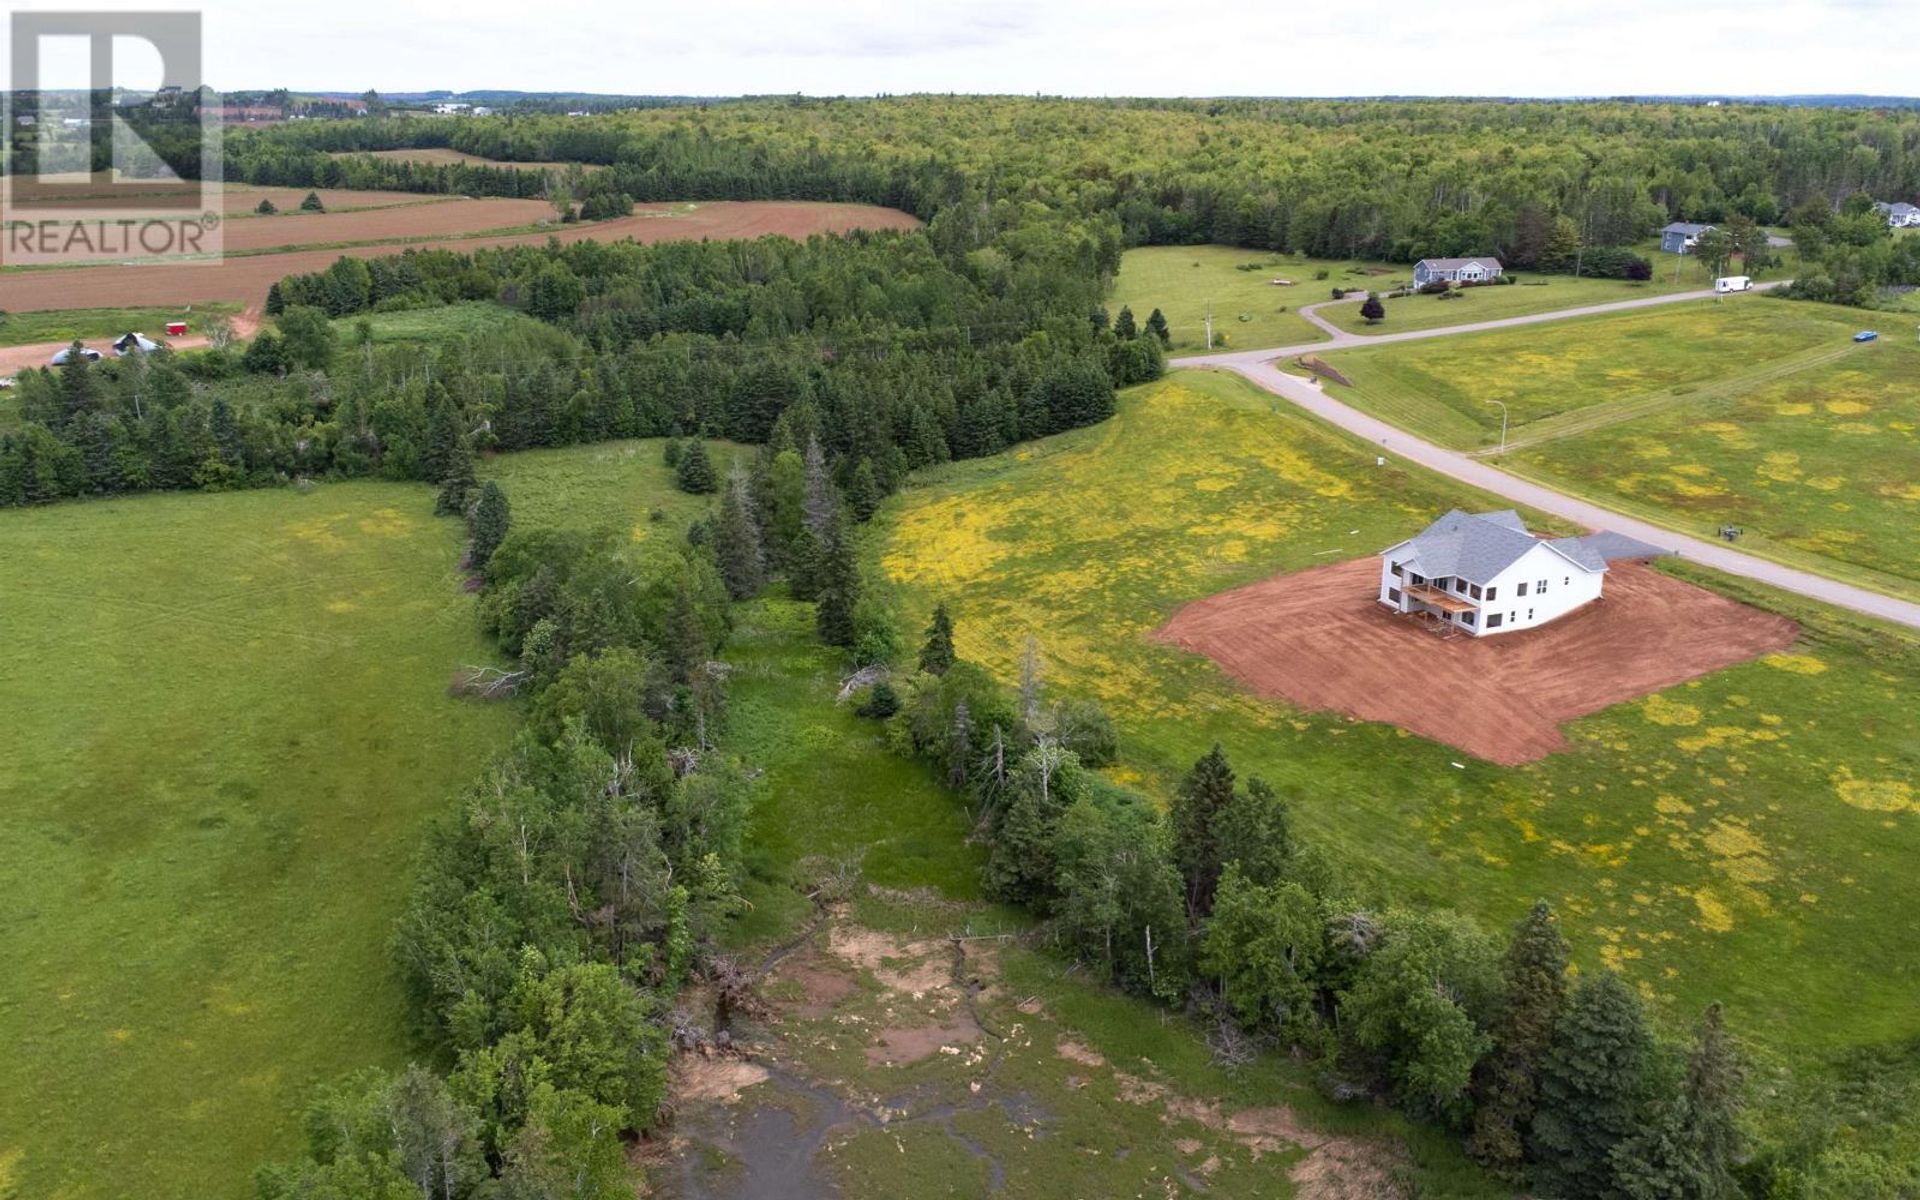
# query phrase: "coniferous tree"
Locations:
[[839, 588], [937, 654], [226, 432], [1714, 1080], [863, 492], [806, 565], [1124, 325], [821, 503], [736, 539], [491, 518], [1372, 310], [1591, 1083], [444, 434], [1157, 326], [694, 472], [1506, 1082], [1197, 803]]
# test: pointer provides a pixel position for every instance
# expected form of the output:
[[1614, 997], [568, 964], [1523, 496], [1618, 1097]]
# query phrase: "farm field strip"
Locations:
[[245, 278]]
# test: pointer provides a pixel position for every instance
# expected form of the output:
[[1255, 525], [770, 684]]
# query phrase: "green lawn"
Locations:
[[1534, 293], [1750, 411], [227, 720], [1747, 837], [430, 324], [64, 325], [1248, 310]]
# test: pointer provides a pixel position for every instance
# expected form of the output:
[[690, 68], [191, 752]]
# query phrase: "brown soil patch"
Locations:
[[1073, 1051], [718, 1079], [1318, 639], [1335, 1168], [898, 1047], [915, 968], [245, 280], [821, 988], [442, 217]]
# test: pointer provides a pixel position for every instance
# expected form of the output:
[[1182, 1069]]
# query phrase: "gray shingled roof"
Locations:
[[1685, 227], [1451, 264], [1473, 547], [1612, 547]]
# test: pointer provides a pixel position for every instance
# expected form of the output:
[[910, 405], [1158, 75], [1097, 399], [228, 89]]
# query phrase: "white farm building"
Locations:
[[1483, 573]]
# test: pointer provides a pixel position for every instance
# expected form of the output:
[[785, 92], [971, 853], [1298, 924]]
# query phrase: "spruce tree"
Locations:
[[694, 472], [444, 434], [1714, 1080], [821, 503], [839, 588], [457, 486], [1506, 1082], [1197, 804], [1123, 324], [1590, 1086], [1157, 326], [806, 563], [863, 492], [736, 539], [937, 655], [491, 518]]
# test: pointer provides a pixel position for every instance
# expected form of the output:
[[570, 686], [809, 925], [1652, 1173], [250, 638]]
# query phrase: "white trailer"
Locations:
[[1733, 283]]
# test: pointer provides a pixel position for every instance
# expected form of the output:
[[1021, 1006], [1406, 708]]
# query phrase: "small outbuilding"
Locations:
[[131, 343]]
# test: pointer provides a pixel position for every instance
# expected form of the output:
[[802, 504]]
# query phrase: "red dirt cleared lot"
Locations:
[[245, 280], [1319, 639]]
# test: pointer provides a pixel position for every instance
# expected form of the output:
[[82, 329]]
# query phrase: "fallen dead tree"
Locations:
[[486, 683]]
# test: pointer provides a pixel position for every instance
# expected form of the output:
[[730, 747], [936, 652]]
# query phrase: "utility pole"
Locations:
[[1209, 325]]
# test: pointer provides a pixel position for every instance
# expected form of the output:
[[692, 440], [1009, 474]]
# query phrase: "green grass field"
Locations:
[[64, 325], [833, 795], [227, 721], [469, 319], [1248, 310], [1744, 837], [1535, 293], [1753, 412]]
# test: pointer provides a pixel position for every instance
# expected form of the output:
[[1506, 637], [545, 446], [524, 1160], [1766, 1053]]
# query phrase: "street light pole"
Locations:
[[1503, 423]]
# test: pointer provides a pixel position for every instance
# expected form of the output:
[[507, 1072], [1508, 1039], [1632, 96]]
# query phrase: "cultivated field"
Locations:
[[246, 278], [240, 199], [443, 217], [227, 720], [1319, 639], [1741, 837], [1758, 413]]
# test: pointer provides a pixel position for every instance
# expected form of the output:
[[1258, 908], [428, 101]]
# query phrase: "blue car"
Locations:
[[1866, 335]]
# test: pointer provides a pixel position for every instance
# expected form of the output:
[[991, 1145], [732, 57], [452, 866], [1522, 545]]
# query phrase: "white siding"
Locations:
[[1569, 586]]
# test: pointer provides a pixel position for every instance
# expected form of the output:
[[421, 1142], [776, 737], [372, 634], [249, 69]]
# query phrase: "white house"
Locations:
[[1455, 270], [1483, 573], [1900, 215]]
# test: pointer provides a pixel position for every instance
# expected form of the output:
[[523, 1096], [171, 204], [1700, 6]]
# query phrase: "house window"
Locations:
[[1491, 591], [1396, 569], [1474, 591], [1566, 581], [1542, 589], [1416, 579], [1529, 614], [1466, 618], [1493, 620], [1393, 594], [1523, 589], [1460, 585]]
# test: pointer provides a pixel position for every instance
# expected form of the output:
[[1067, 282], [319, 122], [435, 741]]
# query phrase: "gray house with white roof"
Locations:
[[1456, 270], [1483, 573], [1679, 237]]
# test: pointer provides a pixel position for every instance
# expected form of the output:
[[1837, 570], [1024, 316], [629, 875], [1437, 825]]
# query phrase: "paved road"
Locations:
[[1257, 366]]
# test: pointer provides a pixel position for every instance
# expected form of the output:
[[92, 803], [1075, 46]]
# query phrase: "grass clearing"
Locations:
[[1535, 293], [87, 324], [1248, 310], [227, 724], [471, 318], [1742, 837]]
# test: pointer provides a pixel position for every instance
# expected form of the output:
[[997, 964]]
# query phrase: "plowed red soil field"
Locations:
[[445, 218], [1319, 639], [245, 279], [244, 198]]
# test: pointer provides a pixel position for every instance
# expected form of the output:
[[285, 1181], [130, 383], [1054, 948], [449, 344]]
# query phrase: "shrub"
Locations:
[[1435, 287], [266, 208]]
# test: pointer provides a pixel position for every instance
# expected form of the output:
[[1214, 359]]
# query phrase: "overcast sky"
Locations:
[[1073, 47]]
